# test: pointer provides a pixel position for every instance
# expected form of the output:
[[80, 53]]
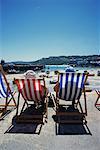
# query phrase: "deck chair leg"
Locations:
[[46, 109], [85, 101], [54, 100], [5, 108], [13, 99], [17, 104], [97, 100], [80, 107], [10, 91], [26, 103], [57, 103], [23, 107], [56, 128], [73, 103]]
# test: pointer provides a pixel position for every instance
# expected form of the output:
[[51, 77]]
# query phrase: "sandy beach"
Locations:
[[15, 136]]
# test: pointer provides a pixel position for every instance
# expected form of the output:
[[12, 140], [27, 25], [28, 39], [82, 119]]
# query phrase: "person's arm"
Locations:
[[56, 87]]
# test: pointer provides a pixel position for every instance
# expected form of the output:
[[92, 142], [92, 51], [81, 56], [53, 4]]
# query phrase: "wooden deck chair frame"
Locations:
[[98, 97], [35, 118], [3, 107], [75, 104]]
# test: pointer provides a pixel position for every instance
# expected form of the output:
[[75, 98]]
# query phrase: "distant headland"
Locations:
[[90, 60], [76, 61]]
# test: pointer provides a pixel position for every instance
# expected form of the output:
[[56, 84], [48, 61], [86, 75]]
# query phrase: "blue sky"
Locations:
[[33, 29]]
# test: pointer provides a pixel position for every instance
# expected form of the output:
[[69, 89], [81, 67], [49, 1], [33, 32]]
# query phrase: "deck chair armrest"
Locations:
[[56, 101], [46, 99]]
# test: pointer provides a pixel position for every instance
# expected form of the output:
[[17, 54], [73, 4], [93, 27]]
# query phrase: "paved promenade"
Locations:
[[32, 137], [15, 136]]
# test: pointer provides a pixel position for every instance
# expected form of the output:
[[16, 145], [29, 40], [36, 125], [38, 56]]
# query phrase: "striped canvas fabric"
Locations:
[[3, 89], [31, 89], [71, 85]]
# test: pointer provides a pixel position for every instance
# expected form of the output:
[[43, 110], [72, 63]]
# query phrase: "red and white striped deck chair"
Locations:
[[32, 90], [70, 88], [6, 93]]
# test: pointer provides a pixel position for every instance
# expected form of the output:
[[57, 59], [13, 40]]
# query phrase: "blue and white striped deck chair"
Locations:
[[71, 86], [6, 94]]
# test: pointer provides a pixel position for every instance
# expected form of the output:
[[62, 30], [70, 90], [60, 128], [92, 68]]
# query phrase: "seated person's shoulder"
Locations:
[[56, 87]]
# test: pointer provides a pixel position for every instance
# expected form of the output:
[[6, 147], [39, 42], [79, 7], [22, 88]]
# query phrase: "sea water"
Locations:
[[94, 81], [64, 67]]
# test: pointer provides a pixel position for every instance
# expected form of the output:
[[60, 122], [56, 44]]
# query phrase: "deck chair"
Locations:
[[70, 88], [34, 93], [6, 93]]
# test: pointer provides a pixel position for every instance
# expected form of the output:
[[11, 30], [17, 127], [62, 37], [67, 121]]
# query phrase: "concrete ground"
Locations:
[[32, 137], [15, 136]]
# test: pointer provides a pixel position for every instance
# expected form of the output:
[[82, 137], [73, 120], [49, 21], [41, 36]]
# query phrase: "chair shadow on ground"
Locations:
[[98, 107], [26, 127], [4, 114], [70, 128], [50, 101]]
